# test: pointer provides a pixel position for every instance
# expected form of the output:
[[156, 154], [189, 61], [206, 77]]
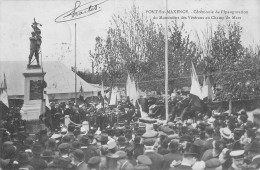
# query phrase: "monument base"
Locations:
[[33, 105], [31, 111]]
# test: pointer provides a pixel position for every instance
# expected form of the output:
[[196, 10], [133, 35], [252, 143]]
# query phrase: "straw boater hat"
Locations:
[[238, 154], [226, 133]]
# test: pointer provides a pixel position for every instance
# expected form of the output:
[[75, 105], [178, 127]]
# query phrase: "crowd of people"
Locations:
[[96, 113], [118, 138]]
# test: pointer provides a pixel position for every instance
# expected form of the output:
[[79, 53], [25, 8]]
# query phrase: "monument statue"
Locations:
[[35, 42]]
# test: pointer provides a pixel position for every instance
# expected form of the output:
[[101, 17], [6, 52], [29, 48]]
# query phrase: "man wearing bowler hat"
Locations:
[[173, 155], [157, 159], [23, 160], [189, 159], [78, 159], [63, 161], [122, 162], [93, 163], [89, 151], [36, 161], [143, 163]]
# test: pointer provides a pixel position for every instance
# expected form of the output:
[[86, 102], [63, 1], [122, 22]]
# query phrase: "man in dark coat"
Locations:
[[172, 156], [189, 159], [36, 161], [209, 134], [157, 159], [78, 159], [88, 149], [62, 162]]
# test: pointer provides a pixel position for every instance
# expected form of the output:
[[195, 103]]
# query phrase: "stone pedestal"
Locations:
[[33, 105]]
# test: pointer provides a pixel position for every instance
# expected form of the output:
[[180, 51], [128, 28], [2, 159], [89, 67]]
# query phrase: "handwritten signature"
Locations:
[[81, 11]]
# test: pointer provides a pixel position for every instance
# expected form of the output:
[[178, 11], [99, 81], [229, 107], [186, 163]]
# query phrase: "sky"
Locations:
[[16, 18]]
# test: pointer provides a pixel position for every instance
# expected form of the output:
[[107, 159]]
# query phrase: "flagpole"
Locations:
[[166, 65], [75, 65]]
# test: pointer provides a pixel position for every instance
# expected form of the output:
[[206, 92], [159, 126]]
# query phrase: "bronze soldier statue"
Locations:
[[35, 42]]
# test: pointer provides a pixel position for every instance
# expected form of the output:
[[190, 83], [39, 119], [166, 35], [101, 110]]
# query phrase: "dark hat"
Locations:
[[250, 133], [128, 136], [37, 149], [243, 118], [9, 150], [249, 124], [51, 143], [238, 154], [47, 154], [90, 134], [66, 139], [209, 130], [84, 140], [75, 145], [94, 160], [167, 130], [149, 142], [121, 154], [102, 138], [129, 150], [194, 132], [143, 159], [121, 140], [78, 154], [23, 158], [202, 125], [253, 147], [193, 151], [28, 142], [64, 146], [140, 131], [174, 145], [156, 126], [186, 138], [137, 139]]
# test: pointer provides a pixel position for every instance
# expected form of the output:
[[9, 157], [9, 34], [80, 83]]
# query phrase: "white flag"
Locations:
[[3, 93], [195, 88]]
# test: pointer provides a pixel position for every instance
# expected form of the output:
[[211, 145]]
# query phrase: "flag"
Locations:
[[128, 85], [3, 93], [47, 102], [207, 89], [131, 89], [195, 88], [113, 98], [195, 91]]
